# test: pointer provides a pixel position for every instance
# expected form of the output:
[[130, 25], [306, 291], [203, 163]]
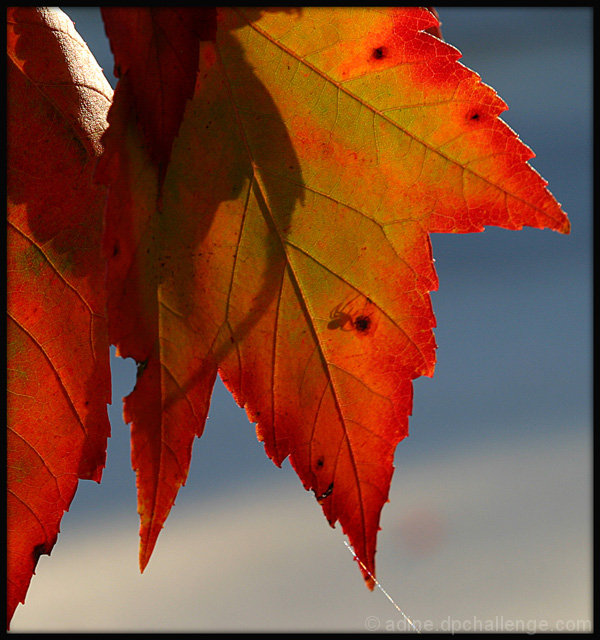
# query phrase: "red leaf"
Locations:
[[58, 368], [162, 439], [288, 243], [157, 48]]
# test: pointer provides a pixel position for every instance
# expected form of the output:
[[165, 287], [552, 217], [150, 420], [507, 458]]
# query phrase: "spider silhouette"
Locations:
[[340, 319], [352, 315]]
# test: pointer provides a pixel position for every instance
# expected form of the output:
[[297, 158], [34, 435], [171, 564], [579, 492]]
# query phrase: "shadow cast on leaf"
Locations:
[[224, 265]]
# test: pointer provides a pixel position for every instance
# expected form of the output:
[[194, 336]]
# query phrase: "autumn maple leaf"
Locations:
[[272, 178], [288, 246], [58, 360]]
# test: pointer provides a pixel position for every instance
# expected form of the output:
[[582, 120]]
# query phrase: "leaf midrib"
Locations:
[[301, 296]]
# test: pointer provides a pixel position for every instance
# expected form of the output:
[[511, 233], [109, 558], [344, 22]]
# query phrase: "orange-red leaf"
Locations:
[[157, 48], [58, 369], [136, 246], [288, 245]]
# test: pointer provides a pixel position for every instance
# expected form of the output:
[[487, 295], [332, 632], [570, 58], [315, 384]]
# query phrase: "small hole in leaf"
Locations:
[[379, 53]]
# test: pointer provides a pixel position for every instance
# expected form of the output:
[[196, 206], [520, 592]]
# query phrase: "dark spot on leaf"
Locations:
[[379, 53], [116, 249], [320, 463], [362, 323]]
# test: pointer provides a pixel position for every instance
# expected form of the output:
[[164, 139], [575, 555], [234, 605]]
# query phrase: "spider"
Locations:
[[340, 319], [352, 315]]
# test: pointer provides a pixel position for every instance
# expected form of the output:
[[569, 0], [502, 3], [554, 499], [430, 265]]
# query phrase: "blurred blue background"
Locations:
[[490, 509]]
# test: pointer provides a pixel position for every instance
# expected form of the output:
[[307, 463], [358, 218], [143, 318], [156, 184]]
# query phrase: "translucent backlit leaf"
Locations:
[[157, 48], [288, 245], [58, 368]]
